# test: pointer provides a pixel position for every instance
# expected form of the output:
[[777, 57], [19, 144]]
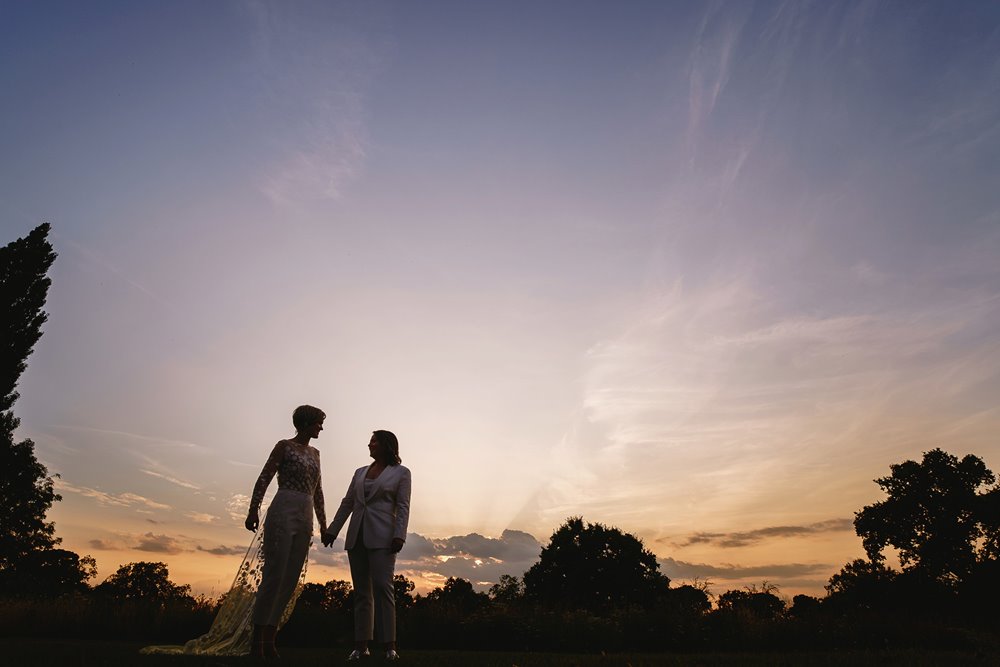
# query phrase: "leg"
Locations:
[[363, 607], [383, 562], [275, 553], [297, 548], [288, 579]]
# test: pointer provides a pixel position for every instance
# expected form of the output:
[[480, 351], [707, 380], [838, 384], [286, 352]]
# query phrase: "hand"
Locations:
[[252, 522], [397, 544], [327, 538]]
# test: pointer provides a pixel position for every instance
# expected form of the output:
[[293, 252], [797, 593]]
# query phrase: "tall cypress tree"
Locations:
[[26, 492]]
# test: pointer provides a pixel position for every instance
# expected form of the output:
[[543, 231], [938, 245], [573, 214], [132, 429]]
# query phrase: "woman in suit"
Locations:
[[378, 502]]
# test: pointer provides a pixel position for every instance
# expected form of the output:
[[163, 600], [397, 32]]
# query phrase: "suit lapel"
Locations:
[[377, 482], [359, 484]]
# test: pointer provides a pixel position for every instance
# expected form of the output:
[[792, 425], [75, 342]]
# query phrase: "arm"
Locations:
[[344, 511], [318, 502], [265, 477], [402, 512]]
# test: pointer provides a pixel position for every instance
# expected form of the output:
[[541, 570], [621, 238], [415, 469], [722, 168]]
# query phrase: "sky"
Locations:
[[699, 271]]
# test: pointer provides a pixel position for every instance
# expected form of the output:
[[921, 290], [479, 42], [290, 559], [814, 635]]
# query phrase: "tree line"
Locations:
[[594, 587]]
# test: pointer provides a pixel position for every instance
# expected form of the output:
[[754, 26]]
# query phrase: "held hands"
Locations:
[[327, 538], [397, 544], [252, 522]]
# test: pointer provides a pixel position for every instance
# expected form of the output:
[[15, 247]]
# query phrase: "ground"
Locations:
[[37, 652]]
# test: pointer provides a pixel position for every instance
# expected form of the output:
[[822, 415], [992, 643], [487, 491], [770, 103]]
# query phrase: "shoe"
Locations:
[[391, 654], [357, 655]]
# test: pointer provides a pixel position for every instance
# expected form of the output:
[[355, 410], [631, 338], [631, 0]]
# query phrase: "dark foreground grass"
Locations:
[[34, 652]]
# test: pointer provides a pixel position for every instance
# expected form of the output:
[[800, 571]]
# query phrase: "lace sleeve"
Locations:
[[318, 502], [266, 475]]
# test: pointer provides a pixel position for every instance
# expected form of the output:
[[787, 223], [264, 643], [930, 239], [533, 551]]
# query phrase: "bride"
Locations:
[[267, 583]]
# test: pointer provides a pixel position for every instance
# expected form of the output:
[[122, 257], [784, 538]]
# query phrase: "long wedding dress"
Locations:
[[233, 625]]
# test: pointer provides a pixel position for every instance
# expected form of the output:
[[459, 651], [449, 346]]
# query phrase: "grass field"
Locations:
[[34, 652]]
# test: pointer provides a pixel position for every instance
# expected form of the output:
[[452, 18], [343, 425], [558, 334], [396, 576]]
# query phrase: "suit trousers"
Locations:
[[374, 593], [287, 535]]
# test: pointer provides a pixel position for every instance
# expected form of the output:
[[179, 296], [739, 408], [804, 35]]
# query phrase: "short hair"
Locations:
[[388, 440], [305, 416]]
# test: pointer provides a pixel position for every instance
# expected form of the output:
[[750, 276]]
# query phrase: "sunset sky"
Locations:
[[701, 271]]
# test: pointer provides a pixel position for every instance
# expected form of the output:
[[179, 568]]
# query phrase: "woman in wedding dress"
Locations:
[[270, 577], [289, 526]]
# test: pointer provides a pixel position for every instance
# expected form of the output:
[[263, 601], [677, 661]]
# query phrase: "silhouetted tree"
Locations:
[[933, 516], [457, 596], [333, 595], [26, 490], [760, 604], [687, 600], [509, 590], [861, 583], [805, 606], [49, 572], [988, 512], [403, 591], [596, 568], [23, 288], [144, 581]]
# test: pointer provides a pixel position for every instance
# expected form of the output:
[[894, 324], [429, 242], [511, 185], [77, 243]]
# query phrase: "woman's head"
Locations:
[[388, 447], [306, 416]]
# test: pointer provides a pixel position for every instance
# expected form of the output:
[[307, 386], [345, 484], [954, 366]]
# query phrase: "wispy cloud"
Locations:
[[92, 257], [711, 63], [750, 537], [681, 570], [166, 442], [201, 517], [159, 543], [221, 550], [172, 480], [320, 141], [126, 499], [717, 398]]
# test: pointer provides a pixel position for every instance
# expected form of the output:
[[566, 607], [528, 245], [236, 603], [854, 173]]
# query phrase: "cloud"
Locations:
[[106, 545], [224, 550], [172, 480], [482, 560], [163, 544], [237, 506], [718, 399], [118, 500], [134, 436], [511, 545], [320, 140], [711, 61], [475, 557], [334, 556], [94, 258], [133, 498], [201, 517], [745, 538], [679, 570]]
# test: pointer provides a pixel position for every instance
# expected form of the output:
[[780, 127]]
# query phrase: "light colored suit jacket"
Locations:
[[384, 511]]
